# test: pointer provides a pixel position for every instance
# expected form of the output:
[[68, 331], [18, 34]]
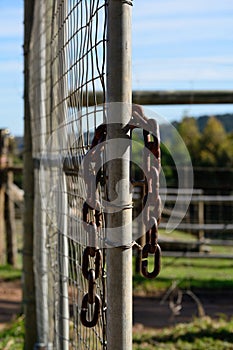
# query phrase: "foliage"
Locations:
[[212, 141], [9, 273], [189, 272], [12, 338], [213, 147], [188, 129], [201, 334]]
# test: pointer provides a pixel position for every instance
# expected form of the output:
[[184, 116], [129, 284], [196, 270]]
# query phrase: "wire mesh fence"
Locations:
[[67, 64]]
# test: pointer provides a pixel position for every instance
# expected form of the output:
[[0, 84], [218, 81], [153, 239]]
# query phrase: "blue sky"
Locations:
[[177, 44], [11, 65]]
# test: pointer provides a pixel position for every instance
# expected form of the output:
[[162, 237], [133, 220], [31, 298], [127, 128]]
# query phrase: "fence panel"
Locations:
[[67, 63]]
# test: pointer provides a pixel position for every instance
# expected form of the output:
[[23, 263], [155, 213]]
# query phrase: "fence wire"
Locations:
[[67, 64]]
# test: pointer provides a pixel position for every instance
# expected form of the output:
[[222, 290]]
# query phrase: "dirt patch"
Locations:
[[155, 312], [152, 312], [10, 301]]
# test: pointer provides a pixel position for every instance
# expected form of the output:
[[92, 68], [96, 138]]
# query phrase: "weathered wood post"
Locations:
[[11, 242], [3, 166], [201, 221], [28, 180], [2, 228]]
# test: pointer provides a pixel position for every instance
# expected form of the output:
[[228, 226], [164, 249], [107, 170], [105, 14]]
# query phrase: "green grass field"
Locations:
[[204, 333], [9, 273], [12, 338], [201, 334], [188, 273]]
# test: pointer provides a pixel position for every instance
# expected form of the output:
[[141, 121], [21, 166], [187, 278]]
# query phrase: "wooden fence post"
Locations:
[[2, 224], [11, 243], [201, 219], [28, 185]]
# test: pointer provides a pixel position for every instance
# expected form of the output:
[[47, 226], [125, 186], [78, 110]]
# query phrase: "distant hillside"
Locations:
[[225, 119], [166, 131]]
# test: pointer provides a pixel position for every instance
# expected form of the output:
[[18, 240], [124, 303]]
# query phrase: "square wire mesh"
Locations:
[[67, 78]]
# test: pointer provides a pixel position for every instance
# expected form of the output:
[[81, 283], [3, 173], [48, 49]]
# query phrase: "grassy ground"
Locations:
[[12, 338], [188, 237], [188, 273], [201, 334], [204, 333], [9, 273]]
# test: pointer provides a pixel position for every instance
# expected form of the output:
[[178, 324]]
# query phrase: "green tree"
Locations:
[[213, 144], [191, 136], [227, 151]]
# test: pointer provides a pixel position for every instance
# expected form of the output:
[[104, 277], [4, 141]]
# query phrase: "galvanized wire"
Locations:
[[67, 64]]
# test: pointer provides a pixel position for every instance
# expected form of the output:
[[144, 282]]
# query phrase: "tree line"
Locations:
[[213, 147]]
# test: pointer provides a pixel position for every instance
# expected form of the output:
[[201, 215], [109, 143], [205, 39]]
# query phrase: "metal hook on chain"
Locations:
[[156, 250], [94, 253], [84, 311], [92, 221], [151, 218], [91, 286], [91, 275]]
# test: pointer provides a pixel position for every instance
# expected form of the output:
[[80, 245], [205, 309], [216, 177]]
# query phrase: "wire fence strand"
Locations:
[[67, 64]]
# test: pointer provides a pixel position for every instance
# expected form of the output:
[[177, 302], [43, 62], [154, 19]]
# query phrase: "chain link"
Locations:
[[92, 215], [151, 200], [92, 221], [85, 308], [91, 298]]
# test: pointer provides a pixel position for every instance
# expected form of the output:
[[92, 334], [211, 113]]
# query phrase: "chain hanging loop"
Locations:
[[156, 251], [85, 308], [92, 221], [151, 217], [93, 253], [91, 275], [91, 286]]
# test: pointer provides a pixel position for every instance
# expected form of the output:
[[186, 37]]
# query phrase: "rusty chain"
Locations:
[[91, 298], [93, 217], [151, 200], [92, 221]]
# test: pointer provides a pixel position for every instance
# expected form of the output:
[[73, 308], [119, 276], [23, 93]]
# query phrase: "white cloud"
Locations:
[[180, 70], [11, 32], [11, 21], [167, 8], [167, 31], [197, 60], [176, 42], [183, 74], [10, 66], [171, 22], [11, 49]]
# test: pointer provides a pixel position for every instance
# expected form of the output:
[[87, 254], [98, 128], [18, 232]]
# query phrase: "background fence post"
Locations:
[[2, 198], [11, 243], [62, 201], [28, 176], [2, 222], [119, 259], [63, 266], [201, 220], [40, 233]]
